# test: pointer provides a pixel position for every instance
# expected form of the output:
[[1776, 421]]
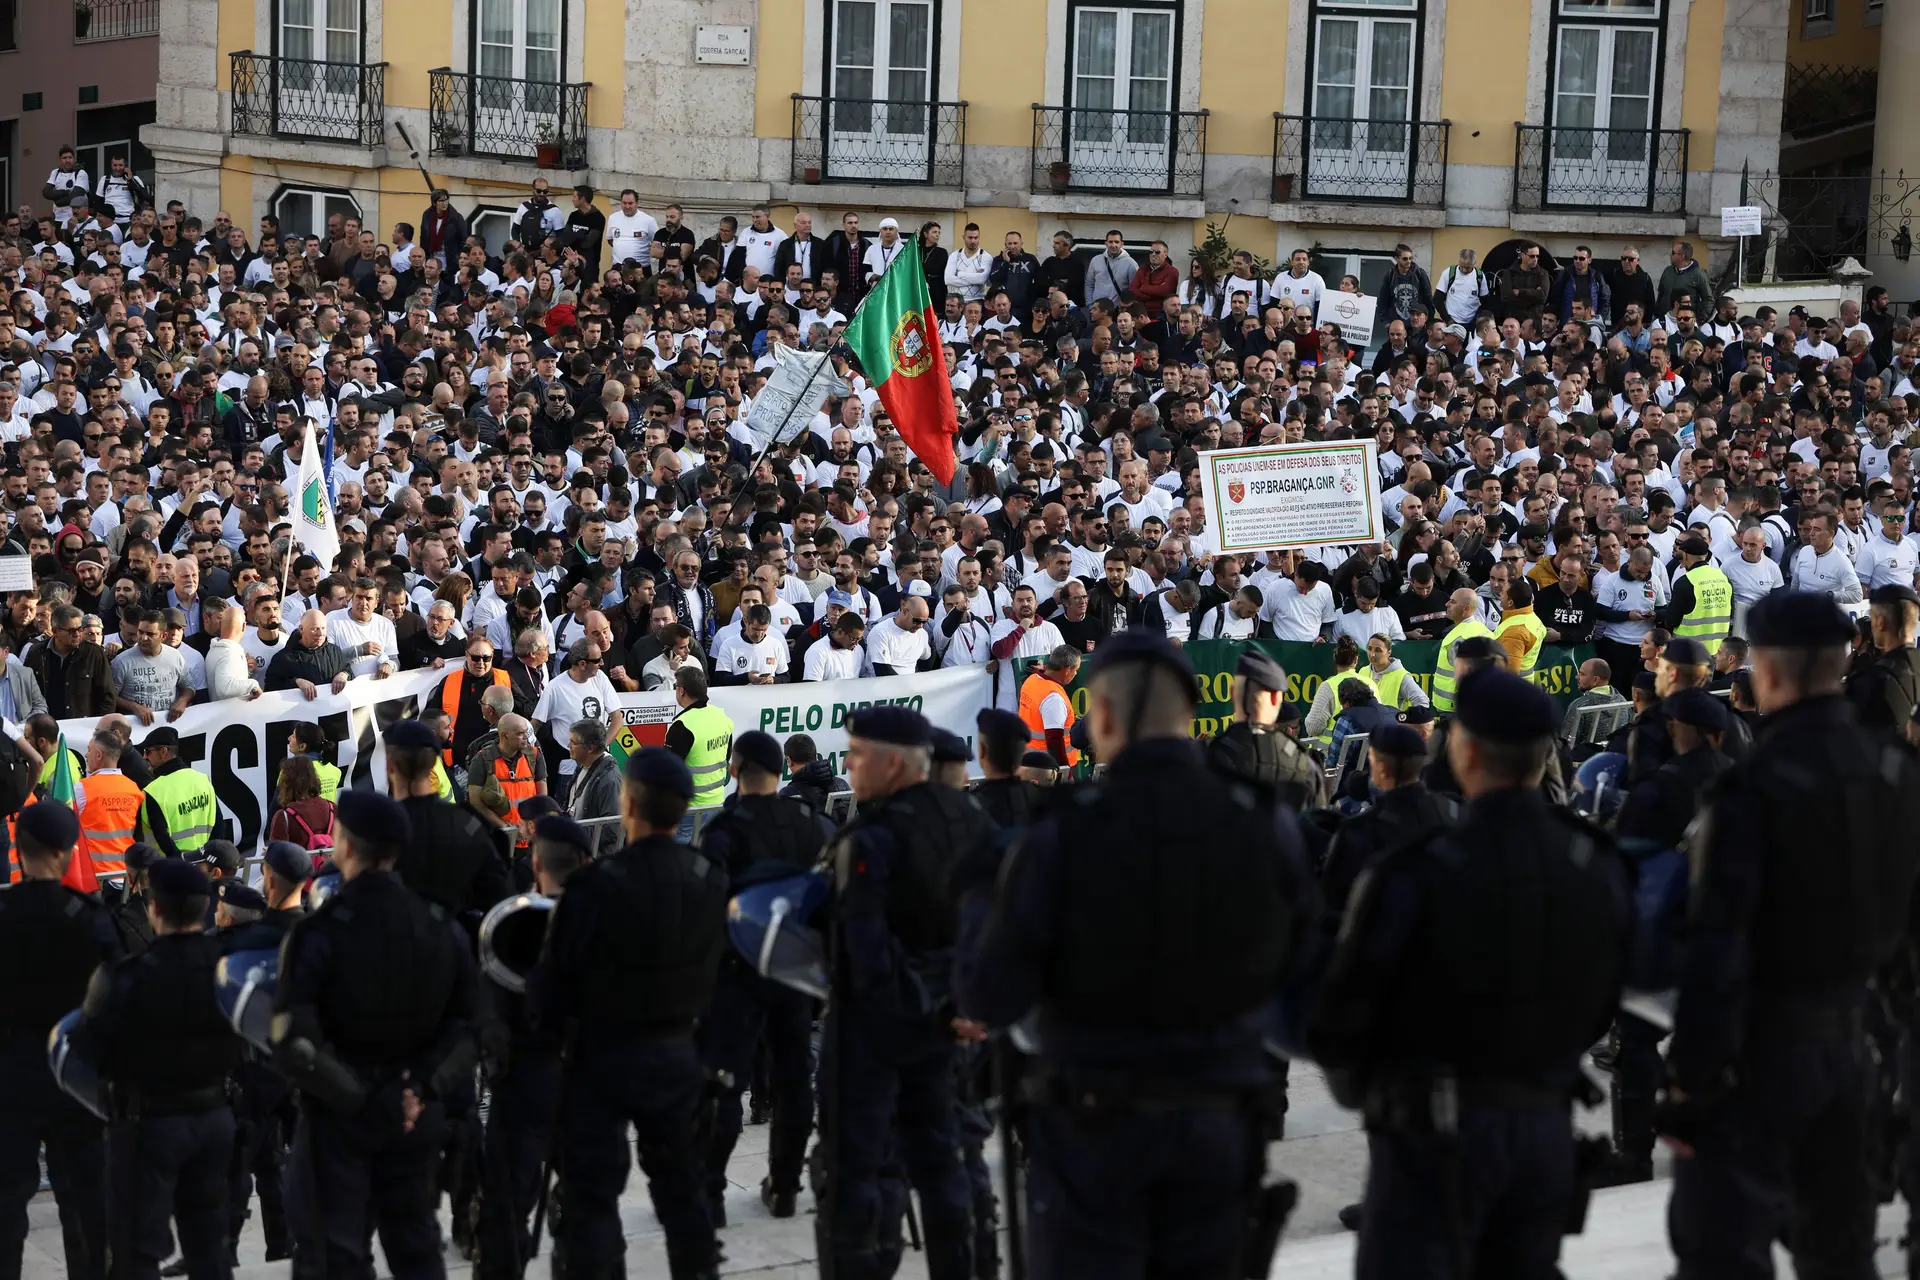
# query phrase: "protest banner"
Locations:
[[1277, 496]]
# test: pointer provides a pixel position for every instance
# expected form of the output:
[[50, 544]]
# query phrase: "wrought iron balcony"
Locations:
[[879, 140], [1096, 150], [314, 101], [1348, 160], [1600, 170], [114, 19], [536, 121]]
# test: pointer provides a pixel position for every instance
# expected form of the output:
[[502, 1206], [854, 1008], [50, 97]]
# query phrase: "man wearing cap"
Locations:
[[372, 1056], [887, 1074], [629, 967], [1794, 904], [1440, 963], [760, 836], [1142, 1143], [154, 1030], [180, 807], [1701, 606], [1253, 749], [1402, 807], [1002, 739], [1884, 690], [60, 936], [261, 1094], [451, 861]]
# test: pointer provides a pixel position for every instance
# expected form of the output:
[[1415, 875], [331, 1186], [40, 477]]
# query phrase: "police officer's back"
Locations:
[[1658, 810], [155, 1031], [1142, 1132], [1474, 966], [1885, 688], [127, 908], [630, 963], [760, 836], [1479, 653], [1802, 876], [1402, 808], [1008, 800], [451, 859], [58, 936], [1255, 749], [374, 1009]]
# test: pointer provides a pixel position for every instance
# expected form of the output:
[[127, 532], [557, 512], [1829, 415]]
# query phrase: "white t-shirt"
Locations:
[[1362, 627], [761, 246], [350, 635], [630, 234], [1221, 623], [566, 700], [824, 662], [1751, 581], [1041, 639], [1299, 617], [1304, 291], [1617, 591], [736, 655], [152, 682], [891, 645], [259, 652], [1832, 573]]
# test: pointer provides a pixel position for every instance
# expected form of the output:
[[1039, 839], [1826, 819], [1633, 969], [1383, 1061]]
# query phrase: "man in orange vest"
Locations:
[[460, 696], [1047, 709], [503, 774], [112, 809]]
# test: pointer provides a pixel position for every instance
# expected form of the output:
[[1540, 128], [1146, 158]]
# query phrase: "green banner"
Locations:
[[1307, 665]]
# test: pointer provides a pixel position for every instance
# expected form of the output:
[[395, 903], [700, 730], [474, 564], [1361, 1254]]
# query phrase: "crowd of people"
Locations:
[[544, 484]]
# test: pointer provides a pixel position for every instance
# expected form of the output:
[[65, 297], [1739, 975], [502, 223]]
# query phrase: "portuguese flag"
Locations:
[[896, 339]]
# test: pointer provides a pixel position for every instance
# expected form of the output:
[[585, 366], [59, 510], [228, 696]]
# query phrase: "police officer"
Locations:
[[128, 910], [1402, 807], [523, 1077], [1653, 821], [1002, 739], [373, 1017], [58, 936], [450, 860], [154, 1030], [889, 1044], [1254, 749], [1146, 1131], [760, 836], [180, 808], [629, 966], [260, 920], [1802, 874], [1454, 1014], [1884, 690], [1478, 653]]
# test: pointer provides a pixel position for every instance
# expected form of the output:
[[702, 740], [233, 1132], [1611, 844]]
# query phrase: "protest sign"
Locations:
[[1291, 495]]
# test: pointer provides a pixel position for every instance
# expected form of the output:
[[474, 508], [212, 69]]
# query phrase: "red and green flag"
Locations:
[[896, 339]]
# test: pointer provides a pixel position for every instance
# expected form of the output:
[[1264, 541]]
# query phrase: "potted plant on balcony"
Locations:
[[449, 139], [546, 147], [1059, 175], [1282, 188]]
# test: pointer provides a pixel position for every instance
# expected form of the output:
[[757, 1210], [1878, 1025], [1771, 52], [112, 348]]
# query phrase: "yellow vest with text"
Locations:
[[1536, 636], [1334, 682], [1443, 667], [186, 801], [1712, 614], [1387, 685], [707, 758]]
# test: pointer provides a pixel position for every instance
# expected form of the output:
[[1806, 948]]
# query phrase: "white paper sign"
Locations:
[[16, 573], [1353, 312], [723, 46], [1741, 220], [1292, 495]]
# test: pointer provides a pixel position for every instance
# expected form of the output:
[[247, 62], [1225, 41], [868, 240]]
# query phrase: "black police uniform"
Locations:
[[59, 937], [1007, 802], [760, 838], [887, 1092], [1802, 876], [1884, 691], [523, 1081], [262, 1108], [1270, 758], [380, 982], [451, 859], [1146, 1110], [155, 1030], [630, 962], [1473, 969], [1394, 818]]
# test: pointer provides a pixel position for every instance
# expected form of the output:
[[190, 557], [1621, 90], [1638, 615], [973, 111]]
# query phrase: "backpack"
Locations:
[[314, 840], [16, 776]]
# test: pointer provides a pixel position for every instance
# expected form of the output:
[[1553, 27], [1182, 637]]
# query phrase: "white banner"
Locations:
[[1292, 495], [240, 745], [800, 384]]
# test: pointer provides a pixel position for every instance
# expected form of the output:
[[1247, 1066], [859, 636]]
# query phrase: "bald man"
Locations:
[[309, 660]]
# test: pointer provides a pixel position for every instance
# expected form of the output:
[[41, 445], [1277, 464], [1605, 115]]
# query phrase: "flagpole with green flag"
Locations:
[[312, 512], [896, 338], [60, 786]]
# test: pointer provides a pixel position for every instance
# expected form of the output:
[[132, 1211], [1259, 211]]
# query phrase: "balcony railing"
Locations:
[[1095, 150], [876, 140], [115, 19], [315, 101], [537, 121], [1598, 170], [1389, 161]]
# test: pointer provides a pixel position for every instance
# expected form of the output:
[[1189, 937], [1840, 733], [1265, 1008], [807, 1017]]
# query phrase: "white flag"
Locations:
[[313, 525], [801, 383]]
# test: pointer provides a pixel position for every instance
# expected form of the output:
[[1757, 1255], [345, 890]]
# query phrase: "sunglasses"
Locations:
[[486, 658]]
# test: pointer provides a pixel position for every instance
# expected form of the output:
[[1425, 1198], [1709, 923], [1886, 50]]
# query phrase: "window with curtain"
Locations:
[[1363, 72], [1123, 74], [882, 53]]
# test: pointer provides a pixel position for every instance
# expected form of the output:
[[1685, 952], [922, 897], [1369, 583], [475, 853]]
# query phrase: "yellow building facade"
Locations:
[[1342, 126]]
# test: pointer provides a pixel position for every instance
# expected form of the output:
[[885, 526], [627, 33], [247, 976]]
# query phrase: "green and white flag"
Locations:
[[313, 526]]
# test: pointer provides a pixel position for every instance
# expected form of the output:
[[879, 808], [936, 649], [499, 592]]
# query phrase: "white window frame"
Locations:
[[1817, 10], [319, 196], [485, 214], [1363, 158]]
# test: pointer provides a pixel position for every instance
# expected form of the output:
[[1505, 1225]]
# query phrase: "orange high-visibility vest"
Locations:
[[450, 701], [516, 781], [1034, 691], [107, 823]]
